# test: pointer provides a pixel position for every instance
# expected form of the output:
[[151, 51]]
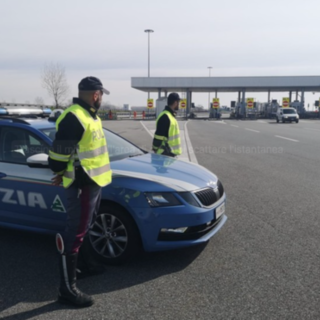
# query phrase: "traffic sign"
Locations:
[[250, 103], [183, 104], [285, 102], [150, 103], [215, 103]]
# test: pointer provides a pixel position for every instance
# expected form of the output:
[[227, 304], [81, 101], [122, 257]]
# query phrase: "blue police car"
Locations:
[[154, 202]]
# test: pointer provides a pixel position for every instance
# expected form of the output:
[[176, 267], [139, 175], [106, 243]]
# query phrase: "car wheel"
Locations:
[[297, 121], [277, 120], [114, 236], [283, 121]]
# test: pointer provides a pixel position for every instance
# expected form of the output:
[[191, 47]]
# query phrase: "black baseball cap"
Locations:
[[173, 97], [91, 84]]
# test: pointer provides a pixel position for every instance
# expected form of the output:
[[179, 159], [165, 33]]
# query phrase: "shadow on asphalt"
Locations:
[[29, 272]]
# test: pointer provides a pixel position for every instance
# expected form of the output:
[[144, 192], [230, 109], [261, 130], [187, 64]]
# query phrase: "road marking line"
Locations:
[[146, 128], [287, 138], [312, 129], [252, 130], [221, 122], [234, 126], [190, 151]]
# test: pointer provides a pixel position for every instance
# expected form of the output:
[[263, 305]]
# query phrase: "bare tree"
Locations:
[[54, 80], [68, 103], [38, 100]]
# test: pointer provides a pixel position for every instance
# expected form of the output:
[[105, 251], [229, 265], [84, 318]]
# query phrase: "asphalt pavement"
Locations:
[[263, 264]]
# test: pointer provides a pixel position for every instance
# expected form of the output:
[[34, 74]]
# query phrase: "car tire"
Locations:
[[283, 121], [297, 121], [277, 120], [114, 237]]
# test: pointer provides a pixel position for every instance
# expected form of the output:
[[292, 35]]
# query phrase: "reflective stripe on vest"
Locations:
[[59, 157], [91, 152], [173, 140]]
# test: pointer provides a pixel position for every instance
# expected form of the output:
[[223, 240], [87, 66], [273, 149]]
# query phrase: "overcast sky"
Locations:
[[106, 39]]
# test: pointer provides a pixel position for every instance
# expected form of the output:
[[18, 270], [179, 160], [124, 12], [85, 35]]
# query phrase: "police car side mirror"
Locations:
[[39, 160]]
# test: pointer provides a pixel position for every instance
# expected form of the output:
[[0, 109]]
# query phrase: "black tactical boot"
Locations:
[[68, 291], [87, 264]]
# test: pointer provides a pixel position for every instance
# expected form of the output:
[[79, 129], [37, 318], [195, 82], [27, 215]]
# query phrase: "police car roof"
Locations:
[[36, 123], [41, 123]]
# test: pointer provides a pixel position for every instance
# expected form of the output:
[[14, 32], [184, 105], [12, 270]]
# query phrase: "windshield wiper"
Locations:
[[135, 155]]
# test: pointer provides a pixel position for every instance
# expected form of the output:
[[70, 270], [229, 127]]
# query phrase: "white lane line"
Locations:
[[287, 138], [146, 129], [190, 151], [252, 130], [220, 122], [312, 129], [234, 126]]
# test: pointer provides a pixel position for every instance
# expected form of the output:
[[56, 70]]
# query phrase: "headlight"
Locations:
[[156, 199]]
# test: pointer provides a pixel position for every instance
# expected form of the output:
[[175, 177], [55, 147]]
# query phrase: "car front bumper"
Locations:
[[200, 223]]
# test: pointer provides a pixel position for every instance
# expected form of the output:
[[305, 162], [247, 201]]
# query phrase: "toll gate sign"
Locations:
[[215, 103], [183, 104], [150, 104], [250, 102], [285, 102]]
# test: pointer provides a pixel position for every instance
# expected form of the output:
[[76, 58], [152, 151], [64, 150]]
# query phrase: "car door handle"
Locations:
[[2, 175]]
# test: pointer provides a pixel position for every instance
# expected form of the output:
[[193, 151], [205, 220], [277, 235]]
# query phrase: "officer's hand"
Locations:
[[56, 180]]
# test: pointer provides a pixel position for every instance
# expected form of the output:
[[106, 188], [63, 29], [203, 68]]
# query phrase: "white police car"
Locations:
[[154, 202]]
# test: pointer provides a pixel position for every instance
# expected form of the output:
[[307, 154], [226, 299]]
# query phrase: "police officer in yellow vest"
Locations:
[[167, 136], [79, 158]]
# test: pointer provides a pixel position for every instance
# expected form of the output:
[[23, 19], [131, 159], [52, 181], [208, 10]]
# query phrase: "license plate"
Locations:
[[220, 210]]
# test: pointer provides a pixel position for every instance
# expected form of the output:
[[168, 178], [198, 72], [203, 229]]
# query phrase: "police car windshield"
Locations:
[[118, 147], [289, 111]]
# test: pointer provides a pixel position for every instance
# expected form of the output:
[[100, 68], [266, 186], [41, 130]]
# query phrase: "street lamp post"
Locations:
[[209, 91], [148, 31]]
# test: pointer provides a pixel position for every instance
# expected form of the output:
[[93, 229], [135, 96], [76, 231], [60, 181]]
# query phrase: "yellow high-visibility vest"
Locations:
[[173, 139], [91, 152]]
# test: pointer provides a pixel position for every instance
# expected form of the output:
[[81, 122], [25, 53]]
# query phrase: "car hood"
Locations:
[[173, 173]]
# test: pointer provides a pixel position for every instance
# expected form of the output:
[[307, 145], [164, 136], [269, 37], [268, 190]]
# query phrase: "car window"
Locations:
[[34, 141], [289, 111], [17, 144], [50, 132]]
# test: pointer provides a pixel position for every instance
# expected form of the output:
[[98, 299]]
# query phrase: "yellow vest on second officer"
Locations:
[[173, 140]]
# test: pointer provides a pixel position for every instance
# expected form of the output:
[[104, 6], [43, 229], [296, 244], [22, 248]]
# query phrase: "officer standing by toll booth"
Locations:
[[79, 158], [167, 135]]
